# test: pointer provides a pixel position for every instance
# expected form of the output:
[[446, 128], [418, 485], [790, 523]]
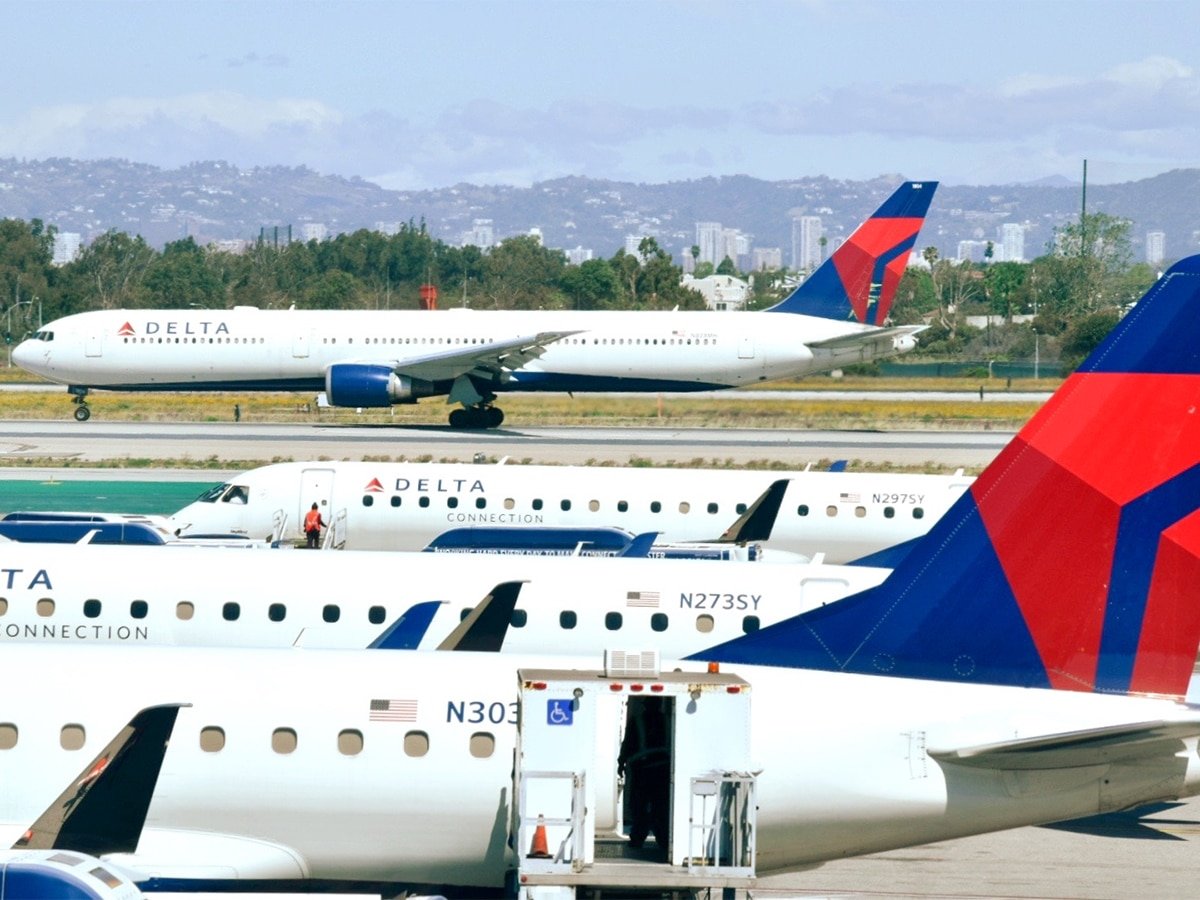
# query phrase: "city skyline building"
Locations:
[[1156, 247], [806, 242]]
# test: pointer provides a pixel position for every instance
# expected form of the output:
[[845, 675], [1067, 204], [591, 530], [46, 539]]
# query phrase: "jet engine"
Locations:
[[366, 385]]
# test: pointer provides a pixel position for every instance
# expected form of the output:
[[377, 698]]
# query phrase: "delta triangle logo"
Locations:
[[125, 330], [374, 487]]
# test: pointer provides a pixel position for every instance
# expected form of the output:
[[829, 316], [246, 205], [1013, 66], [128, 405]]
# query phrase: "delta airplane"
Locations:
[[363, 358], [1026, 663], [136, 595], [844, 516]]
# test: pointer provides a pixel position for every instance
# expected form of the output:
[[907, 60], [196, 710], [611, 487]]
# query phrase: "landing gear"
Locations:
[[79, 397], [477, 417]]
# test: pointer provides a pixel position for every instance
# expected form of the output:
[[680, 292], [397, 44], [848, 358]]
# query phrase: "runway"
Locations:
[[73, 443]]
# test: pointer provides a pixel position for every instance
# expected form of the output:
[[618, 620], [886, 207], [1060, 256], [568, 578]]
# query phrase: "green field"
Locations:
[[149, 497]]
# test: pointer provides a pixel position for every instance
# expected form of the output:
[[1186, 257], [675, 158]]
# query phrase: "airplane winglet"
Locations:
[[407, 631], [639, 547], [757, 522], [483, 630], [104, 808]]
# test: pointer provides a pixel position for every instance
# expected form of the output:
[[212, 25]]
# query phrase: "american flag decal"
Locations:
[[849, 498], [393, 711], [642, 598]]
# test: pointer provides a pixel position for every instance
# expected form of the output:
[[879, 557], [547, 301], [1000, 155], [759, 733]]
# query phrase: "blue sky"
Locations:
[[428, 94]]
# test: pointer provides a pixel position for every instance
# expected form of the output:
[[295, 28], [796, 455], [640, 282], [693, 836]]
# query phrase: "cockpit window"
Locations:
[[236, 494], [44, 336], [213, 494]]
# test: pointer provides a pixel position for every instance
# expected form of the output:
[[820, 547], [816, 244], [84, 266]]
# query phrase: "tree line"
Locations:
[[1075, 292]]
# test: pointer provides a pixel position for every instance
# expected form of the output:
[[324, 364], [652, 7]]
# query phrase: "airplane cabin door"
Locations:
[[300, 346], [746, 347], [316, 486]]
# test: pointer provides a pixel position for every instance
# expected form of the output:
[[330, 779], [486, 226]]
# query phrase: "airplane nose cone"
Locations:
[[23, 353]]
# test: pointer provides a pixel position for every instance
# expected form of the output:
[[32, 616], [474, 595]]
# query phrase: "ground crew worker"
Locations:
[[645, 762], [313, 523]]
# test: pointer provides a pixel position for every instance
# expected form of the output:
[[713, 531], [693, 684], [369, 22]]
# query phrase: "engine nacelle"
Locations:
[[902, 343], [366, 385]]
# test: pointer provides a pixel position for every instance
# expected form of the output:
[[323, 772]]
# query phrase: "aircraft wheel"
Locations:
[[82, 413], [493, 416], [460, 418]]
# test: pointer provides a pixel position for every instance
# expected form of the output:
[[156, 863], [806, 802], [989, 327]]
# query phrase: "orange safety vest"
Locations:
[[312, 522]]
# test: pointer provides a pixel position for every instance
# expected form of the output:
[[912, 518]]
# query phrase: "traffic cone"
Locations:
[[538, 848]]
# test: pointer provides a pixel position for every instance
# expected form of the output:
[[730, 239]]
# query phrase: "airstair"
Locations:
[[605, 756]]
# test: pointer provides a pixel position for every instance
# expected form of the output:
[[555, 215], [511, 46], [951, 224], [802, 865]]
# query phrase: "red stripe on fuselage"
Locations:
[[854, 261], [1056, 553], [1171, 628]]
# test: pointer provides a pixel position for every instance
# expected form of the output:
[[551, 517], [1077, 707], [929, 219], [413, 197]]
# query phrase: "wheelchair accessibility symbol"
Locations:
[[559, 712]]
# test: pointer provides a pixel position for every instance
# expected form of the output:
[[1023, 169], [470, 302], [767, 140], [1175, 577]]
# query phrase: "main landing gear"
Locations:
[[481, 416], [79, 397]]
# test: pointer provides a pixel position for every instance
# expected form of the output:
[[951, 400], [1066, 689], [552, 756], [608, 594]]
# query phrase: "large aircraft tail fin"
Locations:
[[1072, 561], [859, 280]]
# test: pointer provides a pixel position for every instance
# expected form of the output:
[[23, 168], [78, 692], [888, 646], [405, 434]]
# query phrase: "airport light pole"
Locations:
[[8, 325]]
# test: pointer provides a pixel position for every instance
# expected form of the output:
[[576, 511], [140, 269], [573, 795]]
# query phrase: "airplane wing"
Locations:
[[493, 362], [1091, 747], [104, 808], [483, 630], [890, 336], [757, 522], [408, 630]]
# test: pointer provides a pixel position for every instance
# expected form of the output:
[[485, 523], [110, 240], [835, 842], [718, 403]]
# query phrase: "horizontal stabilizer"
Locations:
[[104, 808], [484, 629], [757, 522], [407, 632], [1092, 747]]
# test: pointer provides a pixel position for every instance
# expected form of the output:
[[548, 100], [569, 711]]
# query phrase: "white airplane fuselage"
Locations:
[[230, 597], [260, 768], [404, 506], [246, 348]]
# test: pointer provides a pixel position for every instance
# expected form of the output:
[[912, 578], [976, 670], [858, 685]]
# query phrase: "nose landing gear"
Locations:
[[79, 398]]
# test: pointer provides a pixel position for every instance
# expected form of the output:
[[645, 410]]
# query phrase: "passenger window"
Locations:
[[45, 607], [889, 512], [659, 622], [859, 512], [72, 737], [231, 612], [655, 506], [416, 743], [509, 503], [8, 735], [283, 740], [376, 615], [483, 745], [184, 610], [481, 502], [212, 739], [451, 503], [704, 623], [740, 508], [713, 508], [564, 505], [91, 608], [519, 618], [368, 500], [567, 619], [395, 501], [331, 613], [594, 505], [3, 606], [537, 504], [138, 609], [622, 506], [613, 620], [685, 507], [350, 742], [831, 511], [276, 612], [423, 502], [465, 612], [918, 513], [802, 509], [750, 624]]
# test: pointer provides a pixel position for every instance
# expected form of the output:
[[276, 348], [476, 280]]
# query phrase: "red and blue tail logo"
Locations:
[[1074, 560], [859, 280]]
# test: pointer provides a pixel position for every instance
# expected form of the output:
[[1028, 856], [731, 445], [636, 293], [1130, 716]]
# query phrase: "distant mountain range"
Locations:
[[218, 201]]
